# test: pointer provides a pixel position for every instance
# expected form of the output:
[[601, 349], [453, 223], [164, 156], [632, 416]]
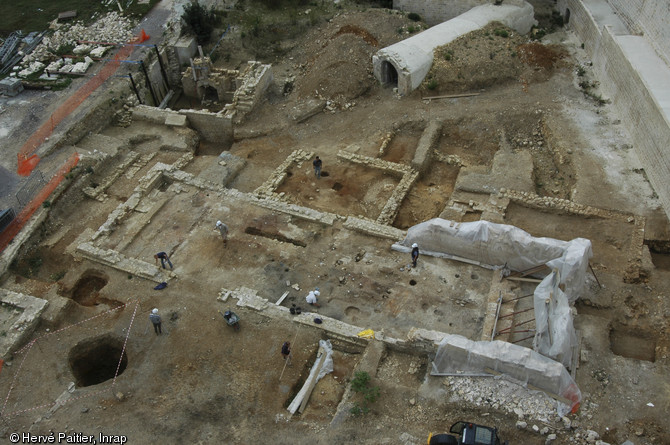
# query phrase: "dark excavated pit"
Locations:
[[97, 360], [273, 235], [632, 342], [85, 291]]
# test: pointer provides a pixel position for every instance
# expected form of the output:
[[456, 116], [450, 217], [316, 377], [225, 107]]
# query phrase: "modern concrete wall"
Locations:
[[407, 62], [648, 18], [634, 76]]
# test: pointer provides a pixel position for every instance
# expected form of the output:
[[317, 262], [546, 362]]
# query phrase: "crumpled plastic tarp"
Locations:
[[457, 355], [554, 332], [326, 368], [502, 245]]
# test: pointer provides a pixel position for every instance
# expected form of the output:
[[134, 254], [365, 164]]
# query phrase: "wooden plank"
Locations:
[[281, 298], [530, 280], [451, 96], [575, 355]]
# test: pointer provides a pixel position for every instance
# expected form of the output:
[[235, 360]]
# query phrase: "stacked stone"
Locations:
[[268, 188], [543, 202], [390, 210], [112, 27], [253, 82], [374, 228], [447, 159], [385, 143], [294, 210], [392, 167]]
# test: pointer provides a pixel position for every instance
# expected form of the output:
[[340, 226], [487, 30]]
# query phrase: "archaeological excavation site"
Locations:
[[486, 233]]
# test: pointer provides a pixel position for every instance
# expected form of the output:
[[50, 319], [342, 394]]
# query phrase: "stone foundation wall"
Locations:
[[212, 127]]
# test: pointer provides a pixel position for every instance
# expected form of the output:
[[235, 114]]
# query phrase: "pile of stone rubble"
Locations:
[[110, 28], [535, 410]]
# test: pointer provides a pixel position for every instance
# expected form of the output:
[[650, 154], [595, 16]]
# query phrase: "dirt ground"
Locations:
[[201, 382]]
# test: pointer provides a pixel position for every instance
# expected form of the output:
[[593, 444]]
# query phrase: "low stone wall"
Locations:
[[424, 150], [212, 127], [30, 308]]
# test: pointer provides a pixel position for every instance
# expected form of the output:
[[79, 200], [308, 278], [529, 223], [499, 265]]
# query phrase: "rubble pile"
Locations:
[[535, 410], [112, 27]]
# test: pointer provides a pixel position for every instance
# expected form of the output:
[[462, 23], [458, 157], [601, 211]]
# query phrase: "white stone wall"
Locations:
[[639, 110], [648, 18], [637, 96]]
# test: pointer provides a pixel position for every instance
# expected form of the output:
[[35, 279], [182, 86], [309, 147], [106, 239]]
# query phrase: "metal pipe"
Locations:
[[137, 93], [518, 298], [149, 85], [495, 324], [160, 62], [525, 338], [515, 325]]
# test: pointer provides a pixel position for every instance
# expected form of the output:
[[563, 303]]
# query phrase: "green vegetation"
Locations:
[[199, 22], [57, 276], [263, 24], [432, 84], [35, 15], [29, 267], [501, 33], [414, 17], [360, 384], [587, 89], [448, 54]]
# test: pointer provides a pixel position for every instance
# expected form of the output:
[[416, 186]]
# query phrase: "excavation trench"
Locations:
[[275, 236]]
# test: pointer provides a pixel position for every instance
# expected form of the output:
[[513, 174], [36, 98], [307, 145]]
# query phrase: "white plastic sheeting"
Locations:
[[323, 368], [456, 355], [500, 245], [554, 333]]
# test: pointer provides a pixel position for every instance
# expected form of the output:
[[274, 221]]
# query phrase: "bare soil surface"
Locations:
[[202, 382]]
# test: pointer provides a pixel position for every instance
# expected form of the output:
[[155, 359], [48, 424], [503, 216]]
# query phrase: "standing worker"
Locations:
[[286, 351], [311, 297], [415, 254], [317, 167], [163, 257], [156, 321], [223, 229]]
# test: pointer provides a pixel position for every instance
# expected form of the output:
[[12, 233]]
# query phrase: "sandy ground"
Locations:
[[201, 382]]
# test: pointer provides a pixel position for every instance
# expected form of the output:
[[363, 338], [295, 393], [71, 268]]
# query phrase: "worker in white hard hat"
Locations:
[[311, 297], [156, 321], [415, 254]]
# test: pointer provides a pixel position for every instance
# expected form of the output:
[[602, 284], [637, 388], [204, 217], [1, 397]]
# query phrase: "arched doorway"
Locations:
[[389, 74]]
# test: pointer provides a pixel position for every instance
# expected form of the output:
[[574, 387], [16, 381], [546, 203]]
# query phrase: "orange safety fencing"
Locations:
[[27, 159], [24, 216]]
